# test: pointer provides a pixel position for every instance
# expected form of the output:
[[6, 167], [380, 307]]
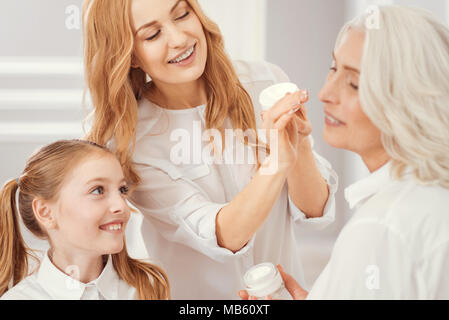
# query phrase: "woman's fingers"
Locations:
[[304, 127], [243, 295], [283, 121], [279, 125], [302, 112], [295, 290], [290, 103]]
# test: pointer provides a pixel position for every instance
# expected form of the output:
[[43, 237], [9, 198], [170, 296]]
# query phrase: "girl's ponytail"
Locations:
[[42, 178], [13, 252]]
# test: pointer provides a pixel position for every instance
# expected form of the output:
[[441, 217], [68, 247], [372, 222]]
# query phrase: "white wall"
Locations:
[[242, 23]]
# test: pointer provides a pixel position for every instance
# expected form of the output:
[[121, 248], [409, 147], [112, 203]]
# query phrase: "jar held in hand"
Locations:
[[263, 281], [272, 95]]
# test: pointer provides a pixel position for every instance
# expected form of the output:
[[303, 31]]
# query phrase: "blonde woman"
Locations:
[[73, 194], [206, 222], [387, 99]]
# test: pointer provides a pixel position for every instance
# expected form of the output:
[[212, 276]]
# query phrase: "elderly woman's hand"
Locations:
[[295, 290]]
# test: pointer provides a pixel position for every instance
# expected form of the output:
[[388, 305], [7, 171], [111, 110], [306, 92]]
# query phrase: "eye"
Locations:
[[332, 72], [354, 86], [154, 36], [124, 190], [350, 82], [183, 16], [333, 66], [98, 190]]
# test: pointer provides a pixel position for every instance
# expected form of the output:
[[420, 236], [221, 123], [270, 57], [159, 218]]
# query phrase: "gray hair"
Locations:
[[404, 88]]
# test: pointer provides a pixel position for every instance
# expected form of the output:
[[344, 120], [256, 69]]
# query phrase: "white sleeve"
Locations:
[[369, 261], [434, 269], [181, 211], [328, 217]]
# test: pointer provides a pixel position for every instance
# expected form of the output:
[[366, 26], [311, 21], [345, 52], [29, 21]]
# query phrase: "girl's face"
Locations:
[[91, 211], [346, 125], [170, 44]]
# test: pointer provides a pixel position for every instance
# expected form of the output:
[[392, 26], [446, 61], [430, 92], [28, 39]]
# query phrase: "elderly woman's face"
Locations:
[[346, 125]]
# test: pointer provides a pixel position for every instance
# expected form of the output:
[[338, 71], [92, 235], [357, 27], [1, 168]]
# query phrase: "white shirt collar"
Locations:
[[63, 287], [369, 186]]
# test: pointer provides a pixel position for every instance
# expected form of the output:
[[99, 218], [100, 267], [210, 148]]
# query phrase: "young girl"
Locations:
[[72, 193]]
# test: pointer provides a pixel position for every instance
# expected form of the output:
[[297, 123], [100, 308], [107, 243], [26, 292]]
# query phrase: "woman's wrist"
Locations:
[[272, 166], [304, 146]]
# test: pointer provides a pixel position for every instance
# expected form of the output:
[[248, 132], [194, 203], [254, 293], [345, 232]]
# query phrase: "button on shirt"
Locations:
[[396, 246], [180, 200], [50, 283]]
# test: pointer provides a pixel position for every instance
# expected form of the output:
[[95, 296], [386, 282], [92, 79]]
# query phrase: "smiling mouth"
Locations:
[[112, 227], [333, 120], [184, 56]]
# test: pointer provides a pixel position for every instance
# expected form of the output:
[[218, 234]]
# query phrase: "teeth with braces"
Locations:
[[184, 56]]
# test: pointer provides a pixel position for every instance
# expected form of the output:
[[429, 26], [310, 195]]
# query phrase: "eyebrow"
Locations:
[[345, 66], [149, 24], [101, 179]]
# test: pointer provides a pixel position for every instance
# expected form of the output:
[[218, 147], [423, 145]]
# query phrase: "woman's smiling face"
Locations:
[[346, 125], [170, 44]]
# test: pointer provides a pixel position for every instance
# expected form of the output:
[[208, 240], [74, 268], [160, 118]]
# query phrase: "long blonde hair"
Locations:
[[43, 176], [404, 88], [115, 87]]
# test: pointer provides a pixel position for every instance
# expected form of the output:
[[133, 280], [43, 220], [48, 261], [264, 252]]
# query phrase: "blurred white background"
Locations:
[[41, 78]]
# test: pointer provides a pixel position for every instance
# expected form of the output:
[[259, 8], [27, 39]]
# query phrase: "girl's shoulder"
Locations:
[[27, 289]]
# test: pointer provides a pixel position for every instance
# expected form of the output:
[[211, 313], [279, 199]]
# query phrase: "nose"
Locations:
[[176, 36], [118, 204], [330, 91]]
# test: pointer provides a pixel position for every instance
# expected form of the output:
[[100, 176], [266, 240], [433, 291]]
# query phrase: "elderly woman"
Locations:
[[387, 99]]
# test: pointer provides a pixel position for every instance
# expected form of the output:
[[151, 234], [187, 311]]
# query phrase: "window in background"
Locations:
[[242, 24]]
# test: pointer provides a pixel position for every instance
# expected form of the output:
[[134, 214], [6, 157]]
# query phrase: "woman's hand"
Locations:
[[292, 127], [295, 290]]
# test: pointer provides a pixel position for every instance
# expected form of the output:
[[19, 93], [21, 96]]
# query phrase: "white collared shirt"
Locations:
[[180, 202], [50, 283], [396, 246]]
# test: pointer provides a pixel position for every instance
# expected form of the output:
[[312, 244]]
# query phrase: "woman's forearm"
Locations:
[[306, 186], [237, 222]]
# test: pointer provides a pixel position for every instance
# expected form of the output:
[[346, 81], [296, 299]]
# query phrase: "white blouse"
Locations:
[[180, 201], [396, 246], [50, 283]]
